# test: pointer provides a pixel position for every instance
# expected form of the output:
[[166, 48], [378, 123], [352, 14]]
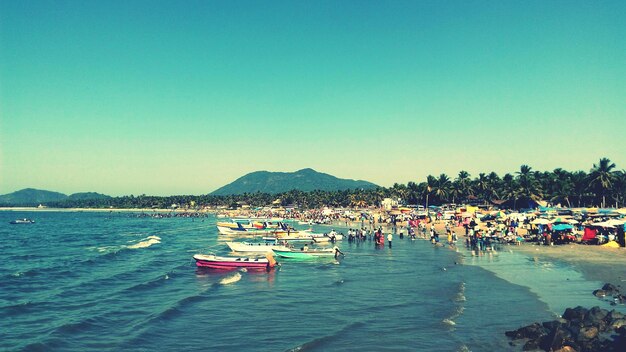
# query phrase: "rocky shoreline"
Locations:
[[578, 330]]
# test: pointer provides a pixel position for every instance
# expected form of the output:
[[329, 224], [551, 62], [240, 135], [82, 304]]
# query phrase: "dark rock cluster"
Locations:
[[611, 291], [579, 330]]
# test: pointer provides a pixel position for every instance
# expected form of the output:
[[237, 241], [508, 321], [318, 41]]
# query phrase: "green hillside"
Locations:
[[277, 182]]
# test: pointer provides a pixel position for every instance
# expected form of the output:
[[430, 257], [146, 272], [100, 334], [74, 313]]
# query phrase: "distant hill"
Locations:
[[34, 197], [277, 182], [31, 196], [87, 196]]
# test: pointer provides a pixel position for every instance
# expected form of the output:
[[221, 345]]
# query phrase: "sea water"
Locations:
[[82, 281]]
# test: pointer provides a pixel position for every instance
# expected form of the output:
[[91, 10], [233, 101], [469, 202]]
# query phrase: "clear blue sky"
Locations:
[[171, 97]]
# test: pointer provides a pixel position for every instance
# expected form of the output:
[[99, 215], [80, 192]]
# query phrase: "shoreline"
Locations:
[[596, 263], [101, 210]]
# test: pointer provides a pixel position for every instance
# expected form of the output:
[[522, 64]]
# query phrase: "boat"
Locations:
[[254, 247], [240, 230], [305, 253], [249, 225], [325, 238], [215, 262], [22, 221]]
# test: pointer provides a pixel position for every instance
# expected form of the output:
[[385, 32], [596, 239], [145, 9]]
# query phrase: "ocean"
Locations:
[[100, 281]]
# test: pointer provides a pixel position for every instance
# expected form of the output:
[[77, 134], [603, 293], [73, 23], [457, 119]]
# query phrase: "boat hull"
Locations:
[[304, 254], [22, 222], [254, 247], [229, 263]]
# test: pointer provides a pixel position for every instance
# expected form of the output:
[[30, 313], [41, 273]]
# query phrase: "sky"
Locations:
[[170, 97]]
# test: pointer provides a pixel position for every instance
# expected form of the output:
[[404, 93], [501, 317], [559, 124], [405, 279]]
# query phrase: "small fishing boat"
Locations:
[[22, 221], [326, 238], [226, 263], [254, 247], [223, 230], [305, 253]]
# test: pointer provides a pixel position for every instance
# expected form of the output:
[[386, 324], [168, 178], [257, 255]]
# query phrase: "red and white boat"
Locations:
[[215, 262]]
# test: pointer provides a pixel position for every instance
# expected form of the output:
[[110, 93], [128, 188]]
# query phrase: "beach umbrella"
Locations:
[[601, 224], [541, 221], [562, 227], [614, 222]]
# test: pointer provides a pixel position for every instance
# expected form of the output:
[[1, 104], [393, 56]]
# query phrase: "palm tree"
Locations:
[[464, 183], [442, 187], [619, 187], [431, 183], [561, 186], [493, 185], [481, 185], [601, 178], [413, 194], [529, 187], [510, 189]]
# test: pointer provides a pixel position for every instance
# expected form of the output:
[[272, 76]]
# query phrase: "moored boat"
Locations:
[[226, 263], [308, 253], [255, 247], [22, 221]]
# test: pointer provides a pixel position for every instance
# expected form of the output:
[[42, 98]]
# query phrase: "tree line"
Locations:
[[602, 186]]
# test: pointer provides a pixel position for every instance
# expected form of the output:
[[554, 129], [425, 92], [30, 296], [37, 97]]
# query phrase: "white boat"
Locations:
[[325, 238], [255, 247], [22, 221], [306, 253], [223, 230]]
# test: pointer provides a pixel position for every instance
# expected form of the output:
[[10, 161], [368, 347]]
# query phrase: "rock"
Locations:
[[599, 293], [575, 314], [551, 325], [556, 339], [566, 349], [596, 317], [531, 345], [532, 331], [617, 323], [615, 315], [610, 288], [588, 333]]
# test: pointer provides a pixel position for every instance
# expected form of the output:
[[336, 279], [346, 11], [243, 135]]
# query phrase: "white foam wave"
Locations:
[[147, 242], [231, 279], [448, 322]]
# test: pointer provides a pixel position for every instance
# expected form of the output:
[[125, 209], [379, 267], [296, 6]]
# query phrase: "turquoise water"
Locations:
[[78, 281]]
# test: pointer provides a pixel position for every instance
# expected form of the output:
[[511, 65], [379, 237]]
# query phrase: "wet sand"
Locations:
[[596, 263]]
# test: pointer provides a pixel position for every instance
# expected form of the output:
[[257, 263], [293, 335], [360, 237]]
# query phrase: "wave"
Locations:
[[460, 295], [154, 283], [72, 328], [459, 299], [448, 322], [230, 279], [21, 308], [321, 342], [147, 242]]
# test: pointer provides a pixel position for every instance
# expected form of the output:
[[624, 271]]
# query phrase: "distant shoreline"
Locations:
[[101, 210]]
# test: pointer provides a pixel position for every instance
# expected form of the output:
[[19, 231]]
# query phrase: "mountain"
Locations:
[[277, 182], [87, 196], [31, 196]]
